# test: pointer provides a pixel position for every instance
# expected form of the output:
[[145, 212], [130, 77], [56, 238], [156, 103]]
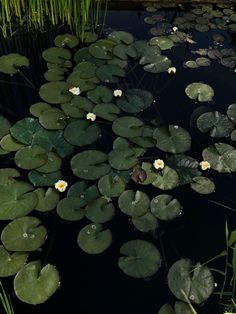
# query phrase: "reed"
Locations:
[[5, 301], [79, 15]]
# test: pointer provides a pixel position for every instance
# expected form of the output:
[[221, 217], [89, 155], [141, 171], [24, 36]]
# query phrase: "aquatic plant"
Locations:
[[6, 301]]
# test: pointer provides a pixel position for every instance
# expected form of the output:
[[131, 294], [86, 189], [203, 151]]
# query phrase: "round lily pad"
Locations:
[[162, 42], [100, 210], [90, 165], [53, 164], [31, 157], [24, 130], [47, 199], [37, 108], [53, 75], [35, 285], [203, 185], [111, 185], [82, 190], [134, 203], [93, 240], [9, 144], [128, 127], [11, 262], [55, 92], [102, 49], [182, 308], [122, 159], [66, 40], [44, 179], [140, 259], [101, 94], [56, 55], [4, 126], [172, 139], [71, 208], [166, 179], [195, 280], [135, 100], [24, 234], [231, 113], [108, 112], [110, 73], [7, 175], [53, 119], [9, 64], [16, 200], [121, 37], [165, 207], [145, 223], [199, 91]]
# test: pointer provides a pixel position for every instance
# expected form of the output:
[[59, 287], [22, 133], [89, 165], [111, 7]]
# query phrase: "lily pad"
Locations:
[[102, 49], [110, 73], [47, 199], [231, 113], [140, 259], [66, 40], [222, 157], [11, 262], [162, 42], [203, 185], [53, 163], [55, 92], [135, 100], [172, 139], [7, 175], [9, 144], [31, 157], [101, 94], [166, 179], [165, 207], [38, 108], [128, 127], [199, 91], [145, 223], [24, 130], [121, 37], [35, 285], [182, 308], [71, 208], [134, 203], [100, 210], [167, 309], [195, 280], [44, 179], [53, 119], [5, 126], [82, 190], [93, 240], [24, 234], [9, 64], [111, 185], [123, 51], [56, 55], [90, 165], [108, 112]]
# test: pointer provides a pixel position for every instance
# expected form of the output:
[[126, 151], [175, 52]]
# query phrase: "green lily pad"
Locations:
[[165, 207], [11, 262], [111, 185], [5, 126], [172, 139], [9, 64], [166, 309], [123, 158], [71, 208], [53, 119], [141, 259], [66, 40], [145, 223], [191, 64], [82, 190], [158, 64], [24, 234], [24, 130], [134, 203], [182, 308], [162, 42], [16, 200], [128, 127], [100, 210], [82, 133], [93, 240], [74, 79], [54, 75], [35, 285], [44, 179], [121, 37], [7, 175], [85, 69], [231, 113], [203, 185], [9, 144], [203, 62], [123, 51], [108, 112], [53, 140], [233, 136], [215, 123], [101, 94], [150, 173], [56, 55], [222, 157], [102, 49], [90, 165], [185, 166], [195, 280], [55, 92], [90, 37], [135, 100], [110, 73], [31, 157], [53, 163], [78, 107], [166, 179], [199, 91], [47, 199], [38, 108]]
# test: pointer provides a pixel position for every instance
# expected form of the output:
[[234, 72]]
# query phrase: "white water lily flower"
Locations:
[[61, 185], [175, 28], [205, 165], [75, 90], [117, 93], [158, 164], [171, 70], [91, 116]]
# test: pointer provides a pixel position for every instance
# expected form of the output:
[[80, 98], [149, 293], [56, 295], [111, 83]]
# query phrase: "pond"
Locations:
[[199, 45]]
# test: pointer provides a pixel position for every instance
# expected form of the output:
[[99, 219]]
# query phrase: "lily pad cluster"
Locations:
[[62, 139]]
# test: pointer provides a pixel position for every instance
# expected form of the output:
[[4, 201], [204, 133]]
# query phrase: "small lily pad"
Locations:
[[203, 185], [11, 262], [135, 100], [5, 126], [55, 92], [111, 185], [165, 207], [199, 91], [162, 42], [166, 179], [134, 203], [24, 130], [47, 199], [100, 210], [66, 40], [9, 64], [128, 127], [31, 157], [145, 223], [71, 208]]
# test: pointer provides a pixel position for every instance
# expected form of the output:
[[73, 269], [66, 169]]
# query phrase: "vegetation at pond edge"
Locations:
[[87, 152]]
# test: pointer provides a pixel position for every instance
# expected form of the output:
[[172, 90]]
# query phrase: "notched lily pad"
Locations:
[[199, 91], [9, 64]]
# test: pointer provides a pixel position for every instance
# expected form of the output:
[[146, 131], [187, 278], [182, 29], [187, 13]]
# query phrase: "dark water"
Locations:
[[94, 284]]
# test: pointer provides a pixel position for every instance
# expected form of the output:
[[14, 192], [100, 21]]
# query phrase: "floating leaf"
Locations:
[[54, 75], [85, 69], [101, 94], [162, 42], [107, 111], [7, 175], [24, 130], [77, 107], [122, 159], [56, 55], [31, 157], [82, 133], [182, 308], [203, 62], [82, 190], [203, 185], [90, 165], [231, 113], [111, 185], [90, 37], [127, 127], [53, 119], [71, 208], [47, 199], [141, 259], [199, 91], [102, 49], [55, 92], [165, 207], [172, 139], [44, 179], [53, 163], [222, 157], [35, 285], [11, 262], [5, 126], [100, 210], [110, 73], [123, 51], [66, 40], [145, 223], [121, 37], [93, 240], [195, 280], [38, 108], [166, 179], [24, 234], [134, 203], [166, 309], [135, 100], [9, 64]]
